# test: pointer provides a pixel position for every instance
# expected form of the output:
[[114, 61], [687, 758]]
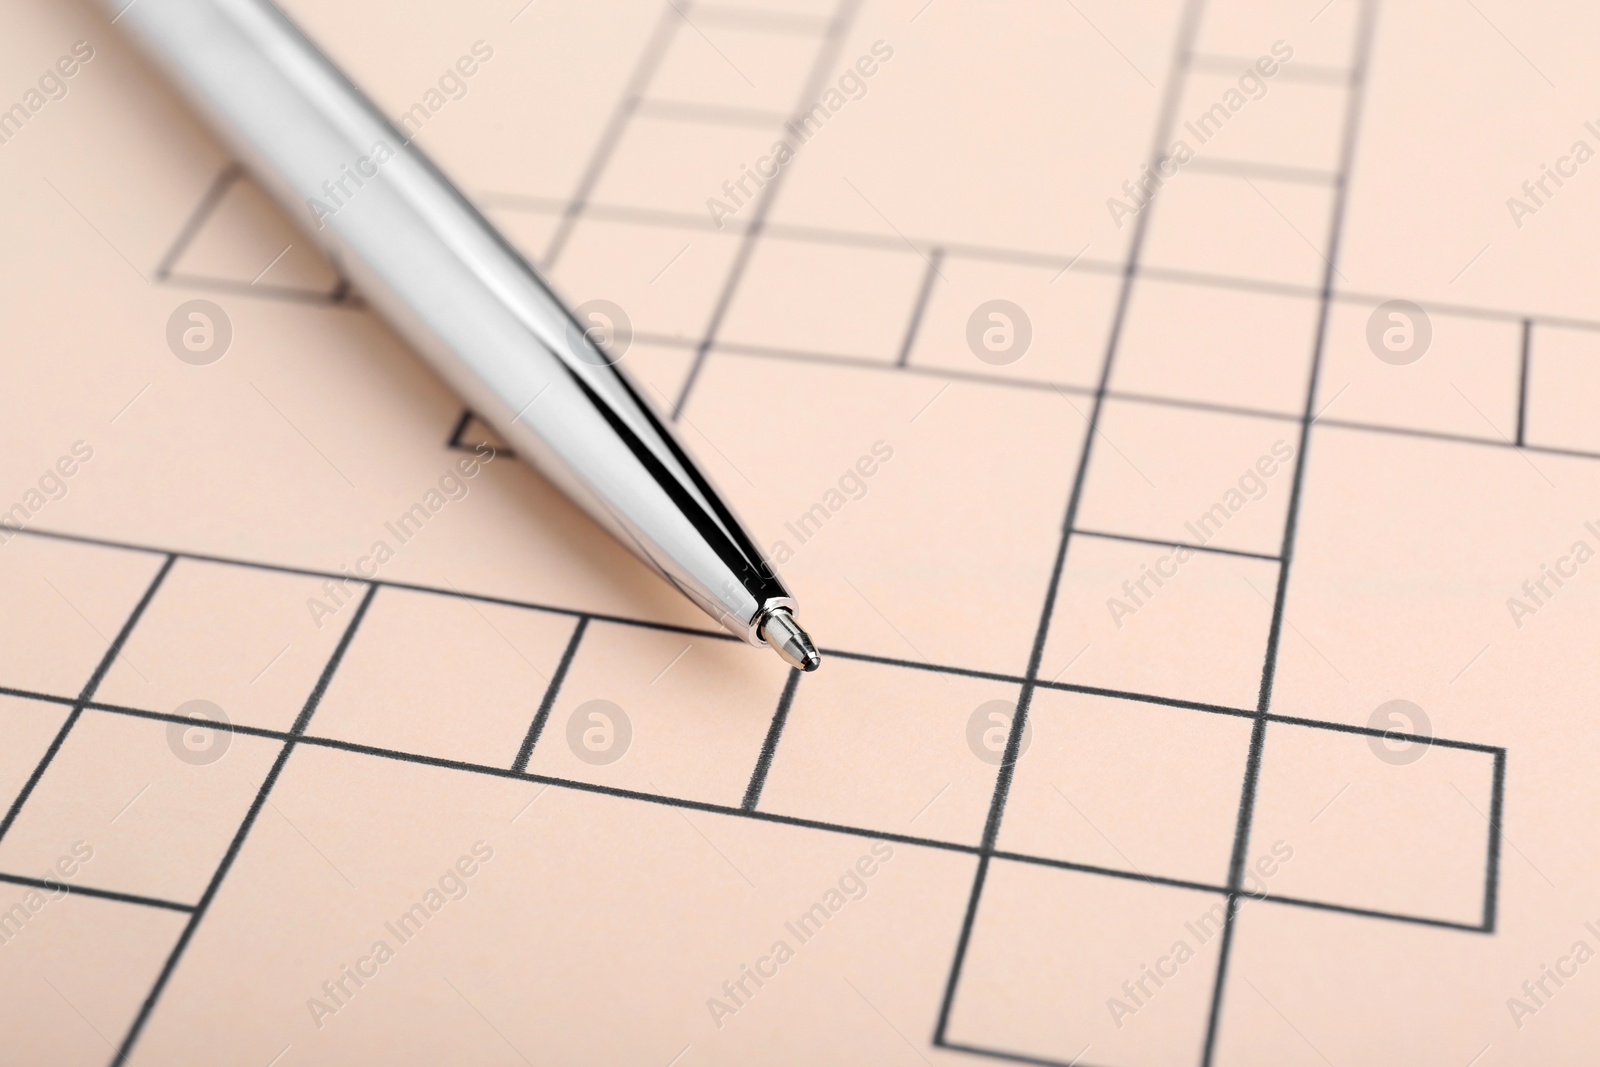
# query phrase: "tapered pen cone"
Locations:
[[789, 641]]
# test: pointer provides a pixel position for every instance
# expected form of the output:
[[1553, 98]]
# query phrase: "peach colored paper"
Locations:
[[1212, 380]]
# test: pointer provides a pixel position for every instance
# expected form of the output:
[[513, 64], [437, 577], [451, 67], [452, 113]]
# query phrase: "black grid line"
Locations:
[[644, 69], [1164, 120], [1247, 800], [717, 635], [832, 41], [101, 669], [536, 727], [1273, 171], [1522, 383], [769, 746], [291, 739], [1218, 63], [90, 891], [1017, 256], [1491, 887], [708, 807], [711, 114], [213, 195], [1214, 549], [931, 275]]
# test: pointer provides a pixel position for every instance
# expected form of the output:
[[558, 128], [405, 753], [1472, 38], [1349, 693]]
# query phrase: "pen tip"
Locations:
[[790, 642]]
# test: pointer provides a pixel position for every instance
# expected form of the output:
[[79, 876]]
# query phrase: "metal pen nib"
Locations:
[[789, 641]]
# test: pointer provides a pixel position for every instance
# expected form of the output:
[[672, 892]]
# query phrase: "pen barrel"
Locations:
[[441, 275]]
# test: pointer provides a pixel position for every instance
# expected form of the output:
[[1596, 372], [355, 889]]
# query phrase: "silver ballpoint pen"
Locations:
[[441, 275]]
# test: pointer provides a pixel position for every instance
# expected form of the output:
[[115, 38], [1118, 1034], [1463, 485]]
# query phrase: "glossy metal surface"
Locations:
[[441, 275]]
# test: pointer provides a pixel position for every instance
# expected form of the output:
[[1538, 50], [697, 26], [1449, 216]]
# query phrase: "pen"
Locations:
[[480, 314]]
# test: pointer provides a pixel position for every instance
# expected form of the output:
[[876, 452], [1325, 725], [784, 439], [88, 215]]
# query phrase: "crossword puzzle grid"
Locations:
[[1173, 712]]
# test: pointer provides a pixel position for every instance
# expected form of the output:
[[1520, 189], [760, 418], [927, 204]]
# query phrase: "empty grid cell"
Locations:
[[77, 968], [903, 476], [246, 238], [1128, 785], [444, 676], [1063, 966], [1563, 388], [1319, 33], [1198, 635], [1415, 368], [1397, 992], [1190, 476], [747, 67], [1240, 227], [529, 229], [890, 748], [832, 299], [251, 641], [65, 603], [1378, 824], [1246, 116], [678, 166], [660, 712], [156, 802], [1040, 323], [666, 280], [27, 727], [1216, 345]]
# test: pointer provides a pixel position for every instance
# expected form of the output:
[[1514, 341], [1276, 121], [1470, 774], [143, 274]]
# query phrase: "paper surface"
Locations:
[[329, 736]]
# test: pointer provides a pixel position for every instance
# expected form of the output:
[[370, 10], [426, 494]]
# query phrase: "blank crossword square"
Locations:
[[1129, 786], [1063, 965], [1200, 635], [1563, 380], [528, 229], [157, 802], [831, 299], [77, 968], [677, 165], [1189, 476], [673, 714], [666, 279], [890, 748], [26, 729], [65, 604], [731, 66], [249, 640], [1238, 116], [1216, 345], [443, 676], [1385, 825], [1239, 227], [1401, 365], [1321, 34], [1056, 328], [890, 457]]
